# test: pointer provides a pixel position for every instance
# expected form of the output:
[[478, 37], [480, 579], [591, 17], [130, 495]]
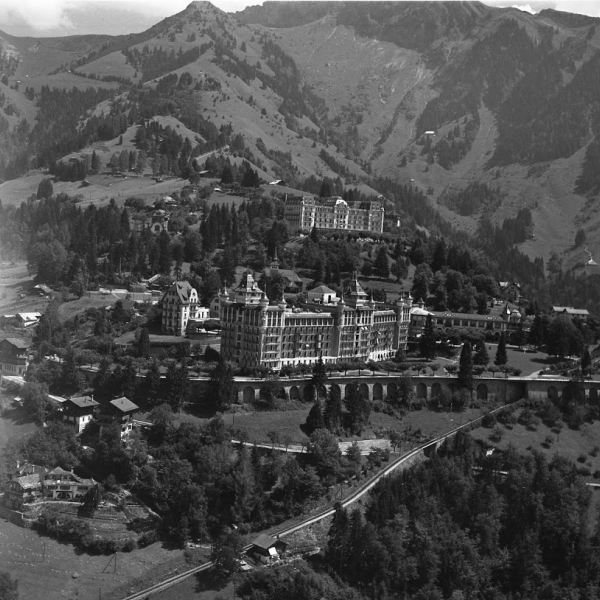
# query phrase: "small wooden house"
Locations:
[[267, 548]]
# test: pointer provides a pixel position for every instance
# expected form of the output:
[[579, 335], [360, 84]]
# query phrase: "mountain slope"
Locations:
[[345, 90], [512, 99]]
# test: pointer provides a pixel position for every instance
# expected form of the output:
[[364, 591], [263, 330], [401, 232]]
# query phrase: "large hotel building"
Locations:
[[302, 213], [352, 328]]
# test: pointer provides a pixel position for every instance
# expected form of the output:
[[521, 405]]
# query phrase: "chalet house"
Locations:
[[23, 486], [59, 484], [28, 319], [78, 412], [120, 411], [571, 312], [41, 290], [511, 291], [14, 357], [266, 548]]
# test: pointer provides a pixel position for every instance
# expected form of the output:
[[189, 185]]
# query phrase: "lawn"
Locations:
[[287, 423], [570, 443]]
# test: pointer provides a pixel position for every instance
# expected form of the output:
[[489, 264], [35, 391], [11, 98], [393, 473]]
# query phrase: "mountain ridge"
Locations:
[[347, 89]]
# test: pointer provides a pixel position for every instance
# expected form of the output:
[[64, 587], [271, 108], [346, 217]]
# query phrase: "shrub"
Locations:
[[147, 538], [594, 451], [548, 441], [496, 434], [488, 421]]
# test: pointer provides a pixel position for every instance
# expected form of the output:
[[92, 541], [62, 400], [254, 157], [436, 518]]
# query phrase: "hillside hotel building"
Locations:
[[302, 213], [255, 332]]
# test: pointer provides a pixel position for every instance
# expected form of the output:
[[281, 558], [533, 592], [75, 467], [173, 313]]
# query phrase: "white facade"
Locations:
[[305, 212], [179, 305]]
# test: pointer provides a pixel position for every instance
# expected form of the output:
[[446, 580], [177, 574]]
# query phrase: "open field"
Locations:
[[67, 310], [571, 444]]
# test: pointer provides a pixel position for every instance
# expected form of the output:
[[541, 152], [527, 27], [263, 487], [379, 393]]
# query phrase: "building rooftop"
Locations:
[[570, 310], [264, 541], [84, 402], [17, 343], [322, 289], [29, 481], [124, 404]]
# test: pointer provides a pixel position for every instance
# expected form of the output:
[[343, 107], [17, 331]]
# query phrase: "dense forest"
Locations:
[[444, 530]]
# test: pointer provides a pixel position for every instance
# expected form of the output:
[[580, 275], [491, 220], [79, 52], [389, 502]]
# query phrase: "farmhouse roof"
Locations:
[[124, 404], [264, 541], [17, 343], [28, 482], [84, 402]]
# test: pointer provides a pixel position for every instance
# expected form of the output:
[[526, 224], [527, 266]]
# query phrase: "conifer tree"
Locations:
[[319, 379], [481, 356], [428, 339], [152, 384], [382, 263], [314, 419], [465, 369], [222, 389], [96, 164], [501, 356], [586, 362], [333, 413], [358, 409]]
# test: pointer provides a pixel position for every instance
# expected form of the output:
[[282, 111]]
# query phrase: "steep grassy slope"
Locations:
[[405, 68]]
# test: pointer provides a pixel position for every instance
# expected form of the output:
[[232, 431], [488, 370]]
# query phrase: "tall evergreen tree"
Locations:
[[333, 413], [144, 343], [152, 384], [319, 379], [428, 339], [177, 385], [501, 355], [481, 356], [586, 362], [314, 419], [222, 389], [465, 369], [227, 269], [382, 263], [358, 409]]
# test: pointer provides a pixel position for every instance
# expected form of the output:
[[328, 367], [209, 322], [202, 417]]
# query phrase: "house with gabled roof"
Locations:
[[14, 356], [60, 484], [27, 319], [120, 411], [267, 548], [322, 295], [78, 412], [571, 312], [23, 485]]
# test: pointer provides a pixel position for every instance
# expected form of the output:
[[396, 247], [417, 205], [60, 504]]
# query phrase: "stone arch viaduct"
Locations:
[[379, 387]]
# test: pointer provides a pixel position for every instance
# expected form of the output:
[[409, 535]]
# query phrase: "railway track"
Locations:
[[354, 497]]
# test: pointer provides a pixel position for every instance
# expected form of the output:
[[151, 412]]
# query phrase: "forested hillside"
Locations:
[[508, 101]]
